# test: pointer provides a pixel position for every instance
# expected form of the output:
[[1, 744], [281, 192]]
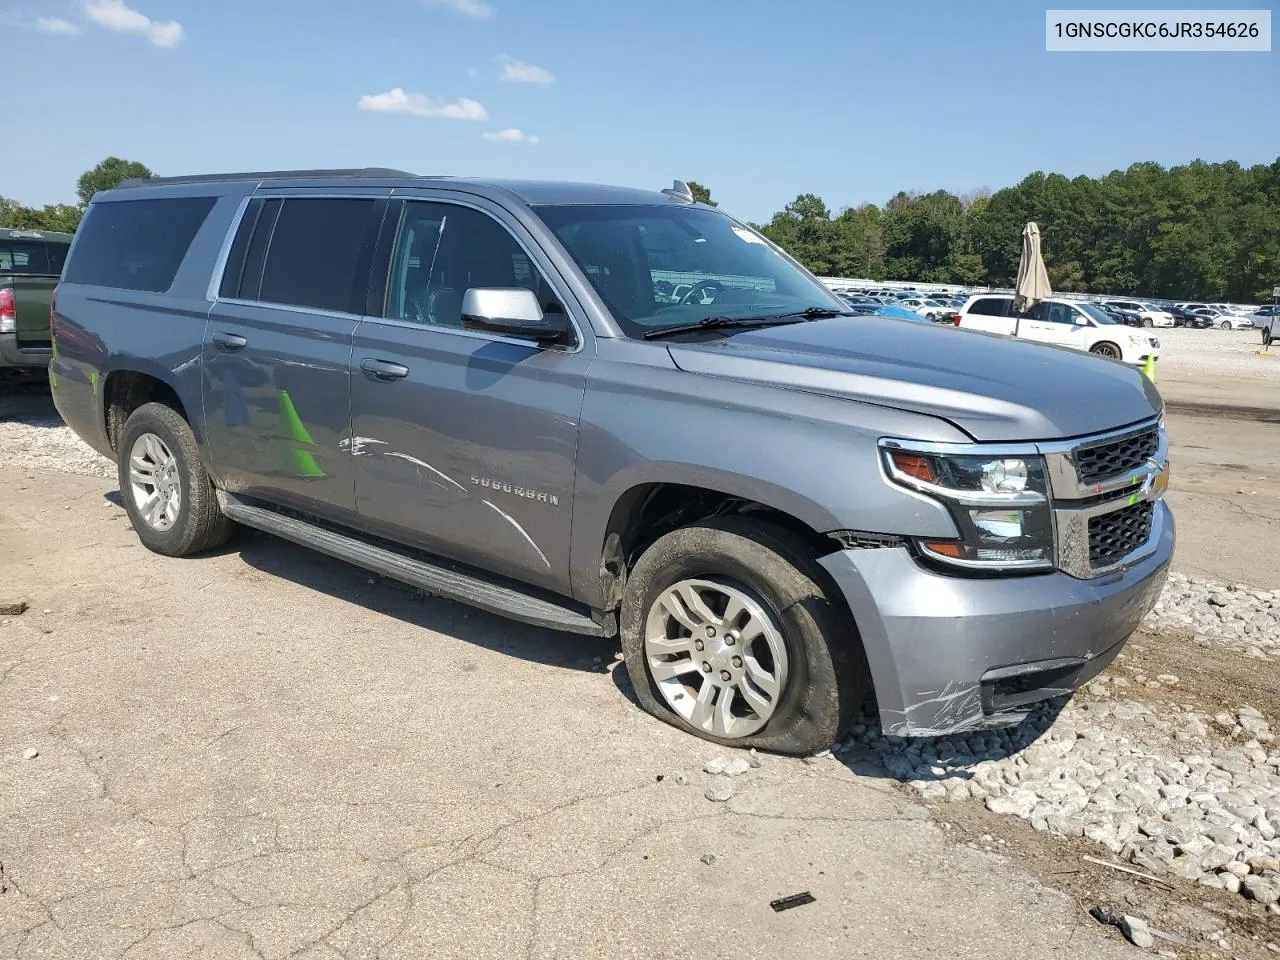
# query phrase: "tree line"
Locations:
[[65, 217], [1203, 231]]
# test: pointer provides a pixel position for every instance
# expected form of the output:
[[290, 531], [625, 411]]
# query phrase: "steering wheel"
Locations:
[[699, 287]]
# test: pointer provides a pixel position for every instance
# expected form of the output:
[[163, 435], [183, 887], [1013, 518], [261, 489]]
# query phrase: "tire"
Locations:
[[1225, 325], [826, 676], [1148, 322], [1266, 337], [1106, 349], [196, 523]]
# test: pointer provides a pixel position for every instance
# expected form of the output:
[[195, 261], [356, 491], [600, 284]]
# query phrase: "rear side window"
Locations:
[[990, 307], [23, 256], [316, 252], [136, 244]]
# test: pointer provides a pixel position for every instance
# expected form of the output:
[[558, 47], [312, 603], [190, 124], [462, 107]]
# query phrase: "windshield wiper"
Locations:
[[720, 323]]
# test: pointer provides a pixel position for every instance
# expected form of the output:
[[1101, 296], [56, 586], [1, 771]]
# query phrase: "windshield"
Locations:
[[663, 266], [1095, 314]]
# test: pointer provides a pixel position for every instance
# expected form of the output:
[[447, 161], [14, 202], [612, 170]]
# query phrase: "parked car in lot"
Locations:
[[926, 307], [473, 386], [1127, 318], [1151, 316], [1224, 320], [30, 262], [1065, 323]]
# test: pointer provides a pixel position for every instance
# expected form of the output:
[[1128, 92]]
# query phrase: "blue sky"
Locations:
[[758, 99]]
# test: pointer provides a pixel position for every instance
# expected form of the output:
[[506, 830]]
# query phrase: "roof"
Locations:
[[532, 192], [15, 233]]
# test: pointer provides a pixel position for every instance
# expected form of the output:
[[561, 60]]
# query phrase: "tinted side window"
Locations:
[[990, 307], [136, 244], [23, 256], [1062, 313], [441, 251], [316, 250]]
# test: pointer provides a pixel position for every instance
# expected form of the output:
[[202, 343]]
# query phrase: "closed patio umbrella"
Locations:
[[1033, 280]]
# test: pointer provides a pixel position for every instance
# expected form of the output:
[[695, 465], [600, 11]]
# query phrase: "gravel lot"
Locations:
[[1160, 763], [1219, 352]]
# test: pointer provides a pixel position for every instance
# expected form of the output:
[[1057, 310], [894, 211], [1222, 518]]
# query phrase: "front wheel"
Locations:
[[1226, 324], [167, 492], [729, 633], [1148, 322], [1106, 350]]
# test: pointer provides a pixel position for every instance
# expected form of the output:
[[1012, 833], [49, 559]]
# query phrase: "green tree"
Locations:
[[107, 176], [700, 193]]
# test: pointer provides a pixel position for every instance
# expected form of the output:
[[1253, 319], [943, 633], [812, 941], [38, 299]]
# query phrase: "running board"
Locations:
[[439, 580]]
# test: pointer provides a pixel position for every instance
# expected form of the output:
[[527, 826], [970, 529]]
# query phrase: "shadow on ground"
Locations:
[[339, 579], [28, 402]]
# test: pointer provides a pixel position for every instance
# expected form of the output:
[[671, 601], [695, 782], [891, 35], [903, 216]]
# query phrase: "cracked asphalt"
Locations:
[[260, 753]]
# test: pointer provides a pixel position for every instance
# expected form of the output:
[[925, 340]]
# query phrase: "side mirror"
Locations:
[[513, 311]]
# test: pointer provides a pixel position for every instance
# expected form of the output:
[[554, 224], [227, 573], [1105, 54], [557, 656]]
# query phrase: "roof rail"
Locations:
[[266, 175]]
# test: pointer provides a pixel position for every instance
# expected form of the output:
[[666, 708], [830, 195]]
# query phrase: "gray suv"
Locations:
[[620, 412]]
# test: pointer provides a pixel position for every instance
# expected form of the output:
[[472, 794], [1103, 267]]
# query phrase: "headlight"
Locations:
[[1000, 506]]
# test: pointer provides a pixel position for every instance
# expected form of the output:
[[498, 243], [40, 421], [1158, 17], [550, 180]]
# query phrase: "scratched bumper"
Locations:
[[949, 654]]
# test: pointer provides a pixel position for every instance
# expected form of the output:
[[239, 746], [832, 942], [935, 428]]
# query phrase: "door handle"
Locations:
[[384, 369], [230, 341]]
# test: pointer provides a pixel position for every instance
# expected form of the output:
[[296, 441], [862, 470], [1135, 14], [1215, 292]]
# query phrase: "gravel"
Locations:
[[33, 438], [1232, 616], [1185, 353], [1146, 781], [720, 790]]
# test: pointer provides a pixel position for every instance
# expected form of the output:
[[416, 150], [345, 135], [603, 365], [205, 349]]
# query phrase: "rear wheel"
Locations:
[[167, 491], [1106, 350], [729, 633]]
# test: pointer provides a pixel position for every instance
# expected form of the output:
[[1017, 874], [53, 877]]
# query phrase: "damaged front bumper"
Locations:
[[950, 654]]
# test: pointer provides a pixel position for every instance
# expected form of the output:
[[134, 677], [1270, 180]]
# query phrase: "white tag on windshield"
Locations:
[[747, 235]]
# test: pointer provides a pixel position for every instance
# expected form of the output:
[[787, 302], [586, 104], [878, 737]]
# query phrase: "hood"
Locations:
[[992, 387]]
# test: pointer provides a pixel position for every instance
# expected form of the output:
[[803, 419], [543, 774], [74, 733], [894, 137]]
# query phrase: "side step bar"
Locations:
[[440, 580]]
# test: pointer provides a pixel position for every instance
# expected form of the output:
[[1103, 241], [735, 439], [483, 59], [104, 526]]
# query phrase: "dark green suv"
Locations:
[[30, 264]]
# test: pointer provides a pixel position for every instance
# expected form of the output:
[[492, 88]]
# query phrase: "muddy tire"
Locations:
[[793, 631], [167, 492]]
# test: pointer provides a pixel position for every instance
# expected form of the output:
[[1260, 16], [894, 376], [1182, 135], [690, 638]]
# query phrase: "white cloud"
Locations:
[[114, 15], [420, 105], [509, 135], [56, 25], [475, 9], [513, 71], [472, 72]]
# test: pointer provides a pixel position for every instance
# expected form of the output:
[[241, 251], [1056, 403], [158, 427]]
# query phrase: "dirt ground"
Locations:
[[267, 753]]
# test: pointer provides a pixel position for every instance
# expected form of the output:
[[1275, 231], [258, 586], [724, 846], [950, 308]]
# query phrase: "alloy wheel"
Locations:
[[716, 655], [154, 482]]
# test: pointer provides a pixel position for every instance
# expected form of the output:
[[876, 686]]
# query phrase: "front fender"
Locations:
[[809, 456]]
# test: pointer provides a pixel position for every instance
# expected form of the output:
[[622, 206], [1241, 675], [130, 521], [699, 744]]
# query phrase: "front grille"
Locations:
[[1116, 534], [1106, 460]]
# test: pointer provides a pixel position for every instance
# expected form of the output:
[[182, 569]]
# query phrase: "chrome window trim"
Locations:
[[472, 334], [220, 264], [291, 308]]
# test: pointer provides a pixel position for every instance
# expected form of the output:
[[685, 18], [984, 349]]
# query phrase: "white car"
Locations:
[[1066, 323], [1151, 316], [1224, 320], [926, 307]]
